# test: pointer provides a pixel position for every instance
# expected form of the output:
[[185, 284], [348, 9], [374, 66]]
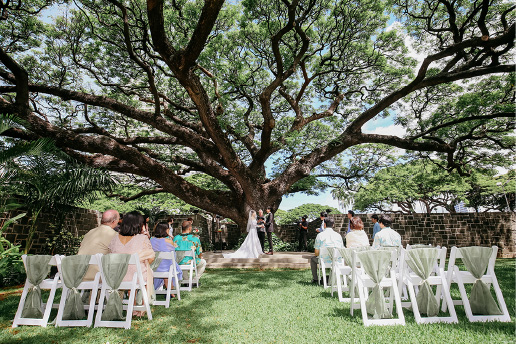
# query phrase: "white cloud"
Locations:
[[393, 129]]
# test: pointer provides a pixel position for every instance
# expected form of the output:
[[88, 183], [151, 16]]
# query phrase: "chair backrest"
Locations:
[[456, 254], [186, 253], [409, 246]]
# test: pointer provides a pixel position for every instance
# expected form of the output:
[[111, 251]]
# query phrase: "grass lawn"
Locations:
[[272, 306]]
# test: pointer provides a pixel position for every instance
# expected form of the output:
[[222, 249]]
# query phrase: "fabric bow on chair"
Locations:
[[476, 260], [74, 268], [115, 267], [37, 268], [376, 264], [422, 262]]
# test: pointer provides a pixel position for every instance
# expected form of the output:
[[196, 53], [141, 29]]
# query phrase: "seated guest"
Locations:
[[324, 241], [185, 242], [130, 240], [162, 243], [97, 240], [357, 237], [386, 236]]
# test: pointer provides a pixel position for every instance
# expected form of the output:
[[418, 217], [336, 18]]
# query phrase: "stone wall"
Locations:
[[78, 222], [462, 229]]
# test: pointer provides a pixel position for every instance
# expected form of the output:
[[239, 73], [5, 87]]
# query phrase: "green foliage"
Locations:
[[12, 271], [419, 181], [311, 210], [63, 242]]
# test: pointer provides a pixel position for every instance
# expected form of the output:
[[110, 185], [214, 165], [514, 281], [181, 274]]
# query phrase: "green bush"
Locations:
[[12, 271], [65, 242]]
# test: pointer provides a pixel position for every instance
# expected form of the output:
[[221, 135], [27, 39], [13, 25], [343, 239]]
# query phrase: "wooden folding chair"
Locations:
[[191, 268], [479, 261], [37, 268], [136, 284], [171, 276], [377, 272], [424, 267], [92, 286]]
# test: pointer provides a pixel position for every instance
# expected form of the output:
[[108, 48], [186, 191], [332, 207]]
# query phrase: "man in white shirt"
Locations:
[[325, 240], [386, 236]]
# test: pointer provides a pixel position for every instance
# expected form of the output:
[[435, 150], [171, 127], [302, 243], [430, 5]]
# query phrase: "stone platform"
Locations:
[[292, 260]]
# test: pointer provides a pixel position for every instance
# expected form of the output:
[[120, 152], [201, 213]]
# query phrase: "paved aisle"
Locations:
[[294, 260]]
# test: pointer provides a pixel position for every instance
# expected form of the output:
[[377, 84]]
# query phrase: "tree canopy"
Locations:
[[311, 210], [417, 183], [166, 89]]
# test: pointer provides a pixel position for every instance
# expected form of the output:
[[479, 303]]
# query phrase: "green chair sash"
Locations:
[[37, 268], [420, 246], [476, 260], [73, 270], [376, 264], [115, 267], [157, 261], [422, 262]]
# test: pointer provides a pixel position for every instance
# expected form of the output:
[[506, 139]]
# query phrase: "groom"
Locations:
[[269, 228]]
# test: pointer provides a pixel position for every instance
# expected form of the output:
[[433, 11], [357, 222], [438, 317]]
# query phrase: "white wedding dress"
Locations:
[[251, 247]]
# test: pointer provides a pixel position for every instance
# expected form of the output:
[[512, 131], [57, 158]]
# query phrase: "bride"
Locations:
[[251, 247]]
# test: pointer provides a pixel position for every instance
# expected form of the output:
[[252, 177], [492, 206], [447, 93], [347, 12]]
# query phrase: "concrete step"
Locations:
[[292, 260]]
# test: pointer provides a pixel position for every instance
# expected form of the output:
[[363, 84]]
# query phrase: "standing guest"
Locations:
[[351, 213], [303, 231], [322, 217], [357, 237], [376, 227], [170, 221], [162, 243], [260, 228], [269, 228], [324, 241], [185, 242], [386, 236], [97, 240], [131, 240]]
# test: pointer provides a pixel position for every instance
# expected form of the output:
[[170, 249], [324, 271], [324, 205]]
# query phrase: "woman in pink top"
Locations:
[[129, 240]]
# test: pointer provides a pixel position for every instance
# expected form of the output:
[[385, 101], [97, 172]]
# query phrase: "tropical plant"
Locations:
[[11, 265]]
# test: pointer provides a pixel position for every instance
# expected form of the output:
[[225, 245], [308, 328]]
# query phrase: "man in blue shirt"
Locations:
[[351, 213], [187, 241], [376, 227]]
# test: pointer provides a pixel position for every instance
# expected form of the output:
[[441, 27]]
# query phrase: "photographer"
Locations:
[[303, 231]]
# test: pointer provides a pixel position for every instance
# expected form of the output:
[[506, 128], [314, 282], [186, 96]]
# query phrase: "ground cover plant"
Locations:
[[271, 306]]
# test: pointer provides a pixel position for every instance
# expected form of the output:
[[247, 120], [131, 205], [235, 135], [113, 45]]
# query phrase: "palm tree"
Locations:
[[46, 178]]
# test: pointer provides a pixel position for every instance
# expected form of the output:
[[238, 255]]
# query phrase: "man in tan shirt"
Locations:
[[97, 240]]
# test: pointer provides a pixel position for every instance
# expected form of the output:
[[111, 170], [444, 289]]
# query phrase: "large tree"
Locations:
[[164, 89]]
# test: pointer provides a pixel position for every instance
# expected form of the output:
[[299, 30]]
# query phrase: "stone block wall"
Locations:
[[462, 229], [79, 221]]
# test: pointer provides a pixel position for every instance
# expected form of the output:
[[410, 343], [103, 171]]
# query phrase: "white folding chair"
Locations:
[[92, 286], [136, 284], [323, 265], [46, 284], [341, 271], [171, 276], [436, 276], [190, 268], [386, 279], [488, 278]]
